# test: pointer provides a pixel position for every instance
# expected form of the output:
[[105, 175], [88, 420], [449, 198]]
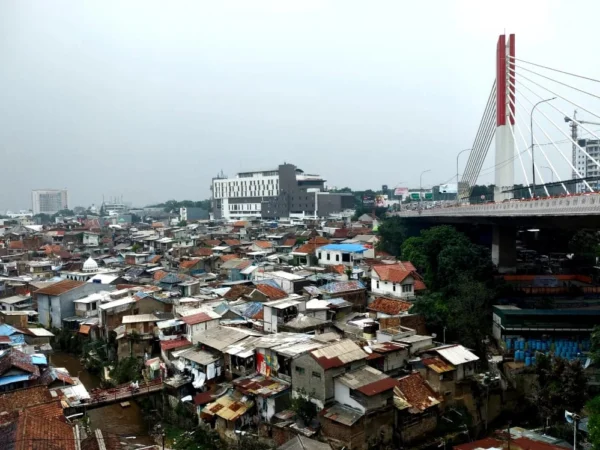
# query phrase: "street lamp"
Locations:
[[459, 153], [421, 187], [551, 173], [532, 153]]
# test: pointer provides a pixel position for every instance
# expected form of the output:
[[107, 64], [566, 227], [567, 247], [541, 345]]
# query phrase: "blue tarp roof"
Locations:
[[347, 248], [13, 379]]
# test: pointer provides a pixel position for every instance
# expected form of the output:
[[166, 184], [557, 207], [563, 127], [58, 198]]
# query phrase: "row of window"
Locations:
[[405, 287], [301, 371]]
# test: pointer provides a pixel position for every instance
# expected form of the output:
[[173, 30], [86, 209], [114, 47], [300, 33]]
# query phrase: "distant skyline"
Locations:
[[149, 100]]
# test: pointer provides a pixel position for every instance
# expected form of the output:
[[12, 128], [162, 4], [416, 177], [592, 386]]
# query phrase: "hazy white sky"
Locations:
[[149, 100]]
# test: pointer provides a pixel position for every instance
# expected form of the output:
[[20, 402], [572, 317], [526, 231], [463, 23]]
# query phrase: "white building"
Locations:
[[49, 201], [397, 280], [336, 254], [586, 166]]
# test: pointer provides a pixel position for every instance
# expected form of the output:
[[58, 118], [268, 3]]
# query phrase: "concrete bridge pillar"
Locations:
[[504, 248]]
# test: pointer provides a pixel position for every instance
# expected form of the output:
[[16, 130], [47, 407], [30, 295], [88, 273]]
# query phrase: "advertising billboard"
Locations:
[[451, 188], [368, 200], [381, 201], [401, 192]]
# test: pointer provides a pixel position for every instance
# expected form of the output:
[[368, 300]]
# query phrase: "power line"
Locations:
[[555, 70]]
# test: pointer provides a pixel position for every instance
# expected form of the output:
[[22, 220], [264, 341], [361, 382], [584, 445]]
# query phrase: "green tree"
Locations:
[[182, 223], [560, 385], [595, 344], [304, 408], [442, 255], [126, 370], [593, 409], [392, 234], [43, 219]]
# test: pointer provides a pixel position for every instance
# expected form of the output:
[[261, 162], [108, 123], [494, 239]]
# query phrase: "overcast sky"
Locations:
[[149, 100]]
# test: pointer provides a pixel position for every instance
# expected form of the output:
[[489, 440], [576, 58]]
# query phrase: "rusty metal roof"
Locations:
[[338, 354], [60, 288]]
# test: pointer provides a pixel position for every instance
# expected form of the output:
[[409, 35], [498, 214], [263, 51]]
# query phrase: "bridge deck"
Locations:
[[119, 393], [577, 205]]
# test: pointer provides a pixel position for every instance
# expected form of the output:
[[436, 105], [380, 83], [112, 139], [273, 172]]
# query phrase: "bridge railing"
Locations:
[[571, 205]]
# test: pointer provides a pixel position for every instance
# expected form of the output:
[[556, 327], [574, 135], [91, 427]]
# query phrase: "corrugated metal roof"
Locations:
[[367, 380], [456, 354], [139, 318], [342, 286], [438, 365], [60, 288], [342, 414], [338, 354]]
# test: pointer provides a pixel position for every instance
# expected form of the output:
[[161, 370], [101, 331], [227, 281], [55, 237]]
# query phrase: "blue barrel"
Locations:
[[533, 361], [527, 361], [508, 343]]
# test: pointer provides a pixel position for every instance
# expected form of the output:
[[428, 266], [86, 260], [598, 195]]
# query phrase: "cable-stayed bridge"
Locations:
[[542, 121]]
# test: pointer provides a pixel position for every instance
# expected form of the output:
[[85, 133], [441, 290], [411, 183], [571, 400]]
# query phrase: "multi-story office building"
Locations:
[[586, 166], [283, 192], [49, 201]]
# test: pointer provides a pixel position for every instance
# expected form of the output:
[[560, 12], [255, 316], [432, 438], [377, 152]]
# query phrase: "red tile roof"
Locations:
[[290, 242], [232, 242], [389, 306], [263, 244], [226, 258], [24, 398], [203, 251], [312, 245], [188, 264], [271, 292], [395, 273], [197, 318], [155, 259], [419, 285], [237, 291], [339, 269], [212, 242], [417, 392], [174, 343], [42, 432], [240, 223], [16, 245], [49, 249], [159, 275], [60, 288]]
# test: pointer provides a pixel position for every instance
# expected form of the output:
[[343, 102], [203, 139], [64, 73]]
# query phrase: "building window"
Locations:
[[407, 288], [316, 374], [300, 370], [394, 288], [319, 255], [337, 258], [377, 284], [328, 256]]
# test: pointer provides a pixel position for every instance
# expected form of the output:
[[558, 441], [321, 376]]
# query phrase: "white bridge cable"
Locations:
[[481, 146], [557, 95], [484, 141], [486, 125], [530, 150], [556, 81], [540, 148], [555, 146], [481, 131], [559, 128], [550, 68], [512, 131]]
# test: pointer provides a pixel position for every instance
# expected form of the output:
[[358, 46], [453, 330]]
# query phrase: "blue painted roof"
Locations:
[[221, 308], [13, 379], [346, 248], [39, 360], [7, 330], [342, 286]]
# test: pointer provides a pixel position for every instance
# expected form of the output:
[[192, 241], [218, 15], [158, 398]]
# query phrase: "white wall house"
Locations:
[[279, 312], [396, 280], [336, 254], [199, 322]]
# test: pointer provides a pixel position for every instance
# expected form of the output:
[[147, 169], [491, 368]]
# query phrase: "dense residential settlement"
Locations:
[[273, 316]]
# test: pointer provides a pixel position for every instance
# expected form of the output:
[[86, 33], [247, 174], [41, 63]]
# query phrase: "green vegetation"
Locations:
[[593, 409], [182, 223], [561, 386], [126, 370], [67, 341], [305, 409], [174, 205]]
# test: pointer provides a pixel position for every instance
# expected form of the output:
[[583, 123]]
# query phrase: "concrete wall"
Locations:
[[342, 395], [393, 289], [192, 331]]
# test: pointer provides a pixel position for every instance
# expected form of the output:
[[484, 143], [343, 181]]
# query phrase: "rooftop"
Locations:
[[413, 393], [389, 306], [260, 385], [368, 381], [338, 354], [456, 354], [344, 248], [60, 288]]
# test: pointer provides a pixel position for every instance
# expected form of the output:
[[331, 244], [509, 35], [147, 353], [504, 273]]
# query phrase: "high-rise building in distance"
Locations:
[[49, 201]]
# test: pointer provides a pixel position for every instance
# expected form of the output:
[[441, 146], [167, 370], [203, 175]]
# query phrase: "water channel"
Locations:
[[124, 422]]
